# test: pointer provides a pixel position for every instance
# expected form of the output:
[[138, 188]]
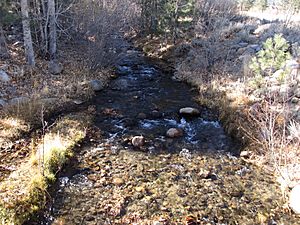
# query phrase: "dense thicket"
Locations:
[[99, 21]]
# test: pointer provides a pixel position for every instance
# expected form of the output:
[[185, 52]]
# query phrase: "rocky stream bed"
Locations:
[[192, 179]]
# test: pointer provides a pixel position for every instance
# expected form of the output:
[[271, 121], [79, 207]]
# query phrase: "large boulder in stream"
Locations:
[[189, 111]]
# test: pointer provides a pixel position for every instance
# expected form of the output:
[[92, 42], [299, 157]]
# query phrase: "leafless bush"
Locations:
[[213, 14], [290, 33], [212, 21], [102, 22], [279, 135]]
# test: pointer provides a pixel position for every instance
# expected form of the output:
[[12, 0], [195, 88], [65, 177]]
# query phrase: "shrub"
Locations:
[[272, 57]]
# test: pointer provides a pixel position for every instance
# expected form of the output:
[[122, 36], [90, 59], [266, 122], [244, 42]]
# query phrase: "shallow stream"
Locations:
[[193, 179]]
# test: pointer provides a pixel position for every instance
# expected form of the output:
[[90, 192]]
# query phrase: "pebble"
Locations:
[[244, 154], [118, 181], [77, 101], [140, 189]]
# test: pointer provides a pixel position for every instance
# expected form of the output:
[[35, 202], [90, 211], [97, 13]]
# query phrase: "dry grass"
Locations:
[[12, 127], [42, 91], [24, 192]]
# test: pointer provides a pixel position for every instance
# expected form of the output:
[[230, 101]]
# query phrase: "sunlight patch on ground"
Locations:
[[11, 127], [272, 15]]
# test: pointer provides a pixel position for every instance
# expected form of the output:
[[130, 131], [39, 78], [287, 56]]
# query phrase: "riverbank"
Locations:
[[41, 109], [24, 192], [262, 113], [133, 172]]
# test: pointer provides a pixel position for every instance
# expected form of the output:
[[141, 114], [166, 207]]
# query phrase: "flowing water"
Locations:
[[194, 179]]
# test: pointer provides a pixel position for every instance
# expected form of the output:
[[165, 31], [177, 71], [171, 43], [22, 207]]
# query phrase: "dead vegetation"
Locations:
[[211, 50], [24, 192], [216, 60]]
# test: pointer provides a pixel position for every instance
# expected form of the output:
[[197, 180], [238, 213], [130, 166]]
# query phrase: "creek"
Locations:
[[193, 179]]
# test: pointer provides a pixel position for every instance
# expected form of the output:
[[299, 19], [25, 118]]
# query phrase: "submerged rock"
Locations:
[[189, 111], [295, 199], [174, 133], [155, 114], [120, 84], [96, 85], [138, 141], [123, 70]]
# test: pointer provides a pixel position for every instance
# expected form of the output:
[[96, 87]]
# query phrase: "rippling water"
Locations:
[[166, 181]]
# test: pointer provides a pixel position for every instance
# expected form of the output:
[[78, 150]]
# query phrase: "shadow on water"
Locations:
[[194, 177]]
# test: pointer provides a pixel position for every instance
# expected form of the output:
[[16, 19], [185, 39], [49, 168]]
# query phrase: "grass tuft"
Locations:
[[24, 192]]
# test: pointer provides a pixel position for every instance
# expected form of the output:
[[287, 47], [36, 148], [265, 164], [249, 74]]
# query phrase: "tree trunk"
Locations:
[[175, 28], [45, 25], [39, 13], [3, 46], [52, 29], [29, 53]]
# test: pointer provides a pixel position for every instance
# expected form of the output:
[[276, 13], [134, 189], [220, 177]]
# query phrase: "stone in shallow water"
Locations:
[[138, 141], [189, 111], [120, 84], [174, 133], [295, 199], [155, 114]]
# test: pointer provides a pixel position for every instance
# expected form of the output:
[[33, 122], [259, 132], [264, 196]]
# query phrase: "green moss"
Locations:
[[55, 159]]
